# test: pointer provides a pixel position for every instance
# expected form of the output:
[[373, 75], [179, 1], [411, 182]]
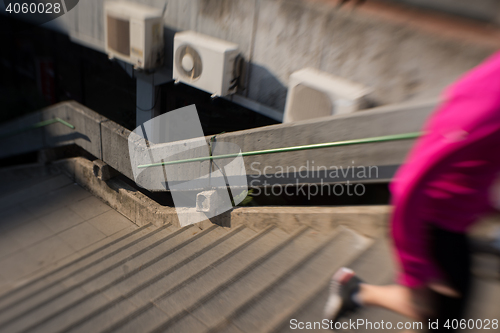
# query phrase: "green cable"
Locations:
[[39, 125], [385, 138]]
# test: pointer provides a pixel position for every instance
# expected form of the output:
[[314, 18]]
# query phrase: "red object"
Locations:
[[46, 79]]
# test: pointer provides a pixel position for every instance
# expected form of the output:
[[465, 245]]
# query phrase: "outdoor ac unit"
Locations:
[[134, 33], [313, 93], [206, 63]]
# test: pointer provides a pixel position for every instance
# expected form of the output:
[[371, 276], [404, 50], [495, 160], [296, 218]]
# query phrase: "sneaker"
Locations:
[[343, 286]]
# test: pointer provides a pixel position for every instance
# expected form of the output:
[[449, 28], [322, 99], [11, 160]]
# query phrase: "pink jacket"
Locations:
[[448, 174]]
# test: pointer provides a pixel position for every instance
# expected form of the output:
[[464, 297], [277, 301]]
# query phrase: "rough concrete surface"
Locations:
[[368, 220], [402, 52], [73, 263]]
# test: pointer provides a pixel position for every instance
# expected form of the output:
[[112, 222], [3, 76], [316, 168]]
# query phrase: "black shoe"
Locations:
[[343, 286]]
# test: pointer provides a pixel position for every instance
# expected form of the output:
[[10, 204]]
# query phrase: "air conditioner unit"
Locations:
[[134, 33], [206, 63], [313, 93]]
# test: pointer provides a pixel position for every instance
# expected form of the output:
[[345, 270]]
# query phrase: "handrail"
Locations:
[[395, 137], [38, 125]]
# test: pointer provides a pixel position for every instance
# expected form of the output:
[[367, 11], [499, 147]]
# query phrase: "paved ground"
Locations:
[[69, 263], [49, 219]]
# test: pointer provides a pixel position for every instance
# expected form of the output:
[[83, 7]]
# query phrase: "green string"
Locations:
[[38, 125], [395, 137]]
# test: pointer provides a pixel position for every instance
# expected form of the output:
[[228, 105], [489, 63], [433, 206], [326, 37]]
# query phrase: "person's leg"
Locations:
[[348, 292], [411, 303], [451, 252]]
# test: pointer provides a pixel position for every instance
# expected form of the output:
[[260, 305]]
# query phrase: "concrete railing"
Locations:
[[108, 141]]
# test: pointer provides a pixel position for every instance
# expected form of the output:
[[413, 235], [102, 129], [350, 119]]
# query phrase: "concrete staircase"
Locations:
[[187, 280], [201, 278]]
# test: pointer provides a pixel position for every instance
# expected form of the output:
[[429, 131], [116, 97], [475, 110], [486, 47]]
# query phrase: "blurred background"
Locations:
[[84, 248]]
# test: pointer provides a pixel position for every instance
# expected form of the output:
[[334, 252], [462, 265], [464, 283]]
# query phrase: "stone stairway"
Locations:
[[200, 278], [186, 280]]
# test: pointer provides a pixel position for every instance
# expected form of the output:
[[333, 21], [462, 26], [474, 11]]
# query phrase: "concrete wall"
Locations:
[[486, 10], [403, 55]]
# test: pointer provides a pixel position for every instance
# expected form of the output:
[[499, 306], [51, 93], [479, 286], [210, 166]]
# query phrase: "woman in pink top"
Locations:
[[441, 190]]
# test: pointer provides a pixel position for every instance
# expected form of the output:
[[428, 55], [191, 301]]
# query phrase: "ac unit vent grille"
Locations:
[[182, 54], [119, 35]]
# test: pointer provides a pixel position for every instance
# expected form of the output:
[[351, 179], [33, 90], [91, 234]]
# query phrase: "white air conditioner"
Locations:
[[134, 33], [206, 63], [313, 93]]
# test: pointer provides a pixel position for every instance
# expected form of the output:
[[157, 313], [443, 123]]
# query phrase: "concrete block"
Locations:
[[103, 171], [115, 147], [208, 201]]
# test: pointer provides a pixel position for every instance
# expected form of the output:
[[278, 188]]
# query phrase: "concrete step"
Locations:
[[275, 304], [374, 266], [202, 291], [97, 301], [223, 267], [147, 283], [231, 298], [76, 265], [71, 290], [58, 284], [250, 284]]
